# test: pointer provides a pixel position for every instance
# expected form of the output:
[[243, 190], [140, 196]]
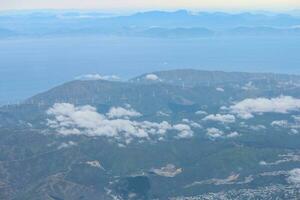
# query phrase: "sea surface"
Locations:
[[32, 65]]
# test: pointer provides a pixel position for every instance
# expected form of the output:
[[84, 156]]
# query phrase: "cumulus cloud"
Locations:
[[294, 131], [293, 126], [233, 134], [217, 133], [280, 123], [214, 132], [191, 123], [93, 77], [68, 119], [282, 104], [119, 112], [220, 118], [200, 112], [184, 130], [151, 77], [294, 176], [67, 145], [257, 127], [219, 89]]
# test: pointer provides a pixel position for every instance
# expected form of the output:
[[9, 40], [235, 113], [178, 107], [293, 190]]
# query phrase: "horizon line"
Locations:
[[107, 11]]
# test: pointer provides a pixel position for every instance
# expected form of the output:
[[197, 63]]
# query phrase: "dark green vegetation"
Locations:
[[36, 163]]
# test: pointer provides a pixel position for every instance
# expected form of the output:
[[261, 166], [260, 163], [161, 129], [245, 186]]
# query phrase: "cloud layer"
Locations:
[[67, 119], [119, 112], [248, 107], [220, 118], [217, 133], [294, 176]]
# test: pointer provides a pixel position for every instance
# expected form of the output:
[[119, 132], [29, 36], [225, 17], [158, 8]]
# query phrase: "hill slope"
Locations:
[[182, 134]]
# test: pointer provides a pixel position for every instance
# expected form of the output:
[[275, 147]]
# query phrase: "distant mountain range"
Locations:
[[180, 23]]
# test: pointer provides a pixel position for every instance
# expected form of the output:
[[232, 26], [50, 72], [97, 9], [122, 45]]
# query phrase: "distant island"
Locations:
[[153, 24]]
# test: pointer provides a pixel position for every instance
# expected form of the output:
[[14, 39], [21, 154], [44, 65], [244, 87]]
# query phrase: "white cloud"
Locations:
[[223, 108], [274, 173], [257, 127], [220, 118], [280, 123], [215, 181], [184, 130], [263, 162], [67, 145], [217, 133], [195, 124], [68, 119], [282, 104], [249, 86], [162, 114], [284, 158], [214, 132], [119, 112], [95, 163], [233, 134], [185, 120], [200, 112], [285, 124], [219, 89], [152, 77], [294, 131], [294, 176], [93, 77], [296, 118], [168, 171], [191, 123]]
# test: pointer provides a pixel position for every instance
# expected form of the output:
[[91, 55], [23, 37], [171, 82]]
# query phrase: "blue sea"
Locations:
[[32, 65]]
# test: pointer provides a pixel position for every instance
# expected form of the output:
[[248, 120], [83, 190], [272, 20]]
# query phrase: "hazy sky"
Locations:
[[151, 4]]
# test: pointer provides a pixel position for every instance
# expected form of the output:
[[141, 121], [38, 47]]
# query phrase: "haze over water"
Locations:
[[29, 66]]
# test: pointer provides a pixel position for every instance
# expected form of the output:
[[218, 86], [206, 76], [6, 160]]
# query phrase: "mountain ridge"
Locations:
[[159, 139], [42, 23]]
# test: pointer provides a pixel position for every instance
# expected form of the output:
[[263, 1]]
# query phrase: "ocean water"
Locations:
[[29, 66]]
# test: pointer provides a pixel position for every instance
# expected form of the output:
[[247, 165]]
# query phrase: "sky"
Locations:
[[123, 5]]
